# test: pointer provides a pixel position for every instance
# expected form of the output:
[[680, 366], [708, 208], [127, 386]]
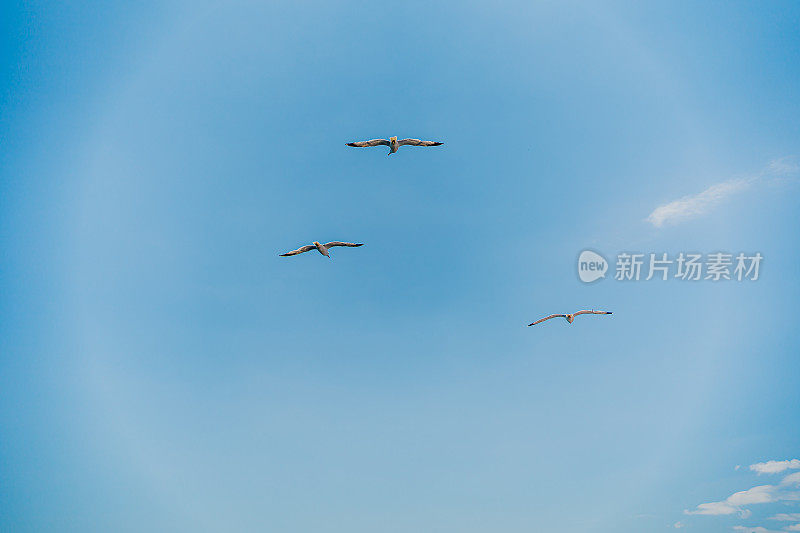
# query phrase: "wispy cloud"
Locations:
[[694, 205], [785, 492], [775, 467], [735, 502], [697, 204], [784, 165], [786, 517], [738, 502]]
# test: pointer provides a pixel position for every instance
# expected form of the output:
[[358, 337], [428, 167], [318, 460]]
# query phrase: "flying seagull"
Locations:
[[322, 248], [393, 143], [571, 317]]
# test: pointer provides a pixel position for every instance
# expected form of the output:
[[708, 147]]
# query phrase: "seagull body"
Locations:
[[393, 143], [321, 248], [571, 317]]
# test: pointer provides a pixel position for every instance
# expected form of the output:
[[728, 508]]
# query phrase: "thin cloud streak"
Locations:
[[694, 205], [737, 502], [786, 517]]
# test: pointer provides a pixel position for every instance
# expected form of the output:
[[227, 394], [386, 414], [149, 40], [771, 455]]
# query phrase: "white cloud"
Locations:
[[784, 165], [791, 479], [694, 205], [736, 502], [795, 527], [757, 529], [678, 525], [760, 494], [786, 517], [714, 508], [775, 467]]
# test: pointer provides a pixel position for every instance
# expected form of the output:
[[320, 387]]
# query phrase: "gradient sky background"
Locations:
[[162, 369]]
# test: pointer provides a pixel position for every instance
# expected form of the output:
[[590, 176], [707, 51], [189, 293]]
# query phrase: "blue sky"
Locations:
[[163, 369]]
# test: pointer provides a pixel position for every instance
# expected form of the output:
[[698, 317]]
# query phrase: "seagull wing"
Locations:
[[373, 142], [299, 250], [592, 312], [546, 318], [417, 142], [340, 243]]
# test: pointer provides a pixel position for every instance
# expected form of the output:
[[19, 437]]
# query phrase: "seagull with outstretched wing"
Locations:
[[571, 317], [393, 143], [322, 248]]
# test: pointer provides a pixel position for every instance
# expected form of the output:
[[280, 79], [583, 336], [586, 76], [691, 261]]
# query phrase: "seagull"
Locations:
[[571, 317], [393, 143], [322, 248]]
